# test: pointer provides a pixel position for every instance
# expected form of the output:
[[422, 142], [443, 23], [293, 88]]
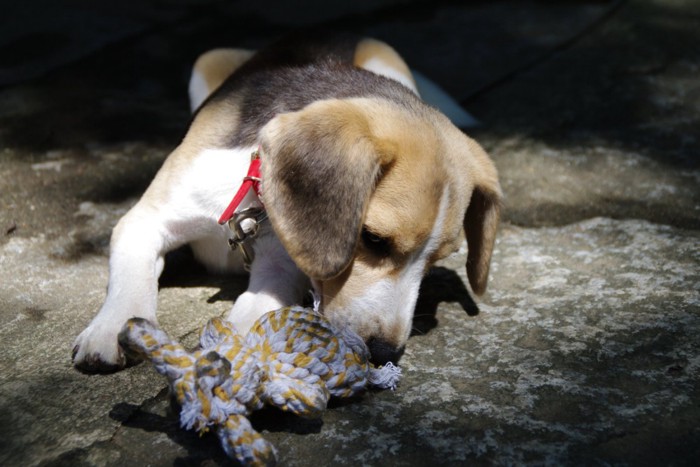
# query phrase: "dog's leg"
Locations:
[[275, 281], [136, 261], [181, 206]]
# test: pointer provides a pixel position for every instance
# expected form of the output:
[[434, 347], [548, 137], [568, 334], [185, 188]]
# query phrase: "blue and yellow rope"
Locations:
[[292, 358]]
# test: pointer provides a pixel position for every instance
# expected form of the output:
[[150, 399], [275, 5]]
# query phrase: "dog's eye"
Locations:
[[378, 245]]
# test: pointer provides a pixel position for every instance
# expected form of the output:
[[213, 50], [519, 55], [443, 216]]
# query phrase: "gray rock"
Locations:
[[584, 350]]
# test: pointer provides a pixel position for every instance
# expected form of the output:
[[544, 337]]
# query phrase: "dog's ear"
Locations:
[[480, 225], [481, 217], [319, 168]]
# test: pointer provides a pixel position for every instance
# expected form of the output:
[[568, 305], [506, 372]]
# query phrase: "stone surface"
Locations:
[[606, 127], [585, 349]]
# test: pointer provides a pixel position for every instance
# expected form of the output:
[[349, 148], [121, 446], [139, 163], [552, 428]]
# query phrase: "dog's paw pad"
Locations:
[[94, 363], [98, 352]]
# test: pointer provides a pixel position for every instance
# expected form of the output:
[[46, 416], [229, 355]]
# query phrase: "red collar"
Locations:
[[252, 180]]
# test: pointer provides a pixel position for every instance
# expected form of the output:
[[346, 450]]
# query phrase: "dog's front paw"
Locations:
[[97, 350]]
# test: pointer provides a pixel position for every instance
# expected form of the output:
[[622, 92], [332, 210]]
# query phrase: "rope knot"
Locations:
[[292, 358]]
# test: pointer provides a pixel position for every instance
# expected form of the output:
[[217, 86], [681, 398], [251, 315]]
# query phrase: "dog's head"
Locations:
[[365, 195]]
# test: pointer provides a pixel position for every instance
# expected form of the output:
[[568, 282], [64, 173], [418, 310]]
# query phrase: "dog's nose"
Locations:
[[381, 352]]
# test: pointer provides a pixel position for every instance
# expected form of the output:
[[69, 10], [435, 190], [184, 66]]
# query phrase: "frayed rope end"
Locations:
[[385, 377]]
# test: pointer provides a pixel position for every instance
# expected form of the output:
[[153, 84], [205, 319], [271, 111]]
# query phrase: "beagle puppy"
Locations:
[[364, 186]]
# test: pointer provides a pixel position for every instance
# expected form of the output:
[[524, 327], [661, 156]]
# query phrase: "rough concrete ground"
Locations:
[[586, 348]]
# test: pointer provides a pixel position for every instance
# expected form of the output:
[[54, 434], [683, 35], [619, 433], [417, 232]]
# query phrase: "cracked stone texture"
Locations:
[[586, 348]]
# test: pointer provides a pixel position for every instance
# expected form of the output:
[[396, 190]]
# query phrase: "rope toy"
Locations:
[[292, 358]]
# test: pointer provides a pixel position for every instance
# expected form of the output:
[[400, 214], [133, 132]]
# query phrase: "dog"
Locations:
[[363, 187]]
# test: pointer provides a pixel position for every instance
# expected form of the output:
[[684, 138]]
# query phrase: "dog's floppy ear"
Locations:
[[481, 217], [319, 168], [480, 225]]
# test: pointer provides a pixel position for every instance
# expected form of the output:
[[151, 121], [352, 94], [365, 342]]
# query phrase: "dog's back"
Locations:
[[291, 74]]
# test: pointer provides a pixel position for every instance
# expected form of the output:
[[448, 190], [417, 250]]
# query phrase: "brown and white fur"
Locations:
[[365, 186]]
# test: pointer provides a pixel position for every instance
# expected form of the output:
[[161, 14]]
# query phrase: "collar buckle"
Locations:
[[245, 226]]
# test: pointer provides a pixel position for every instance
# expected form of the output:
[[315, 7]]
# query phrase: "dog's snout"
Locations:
[[382, 352]]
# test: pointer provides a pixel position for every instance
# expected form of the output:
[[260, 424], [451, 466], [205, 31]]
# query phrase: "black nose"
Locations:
[[381, 352]]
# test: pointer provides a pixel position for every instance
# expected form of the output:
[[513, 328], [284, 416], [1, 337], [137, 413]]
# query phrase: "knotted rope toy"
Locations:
[[292, 358]]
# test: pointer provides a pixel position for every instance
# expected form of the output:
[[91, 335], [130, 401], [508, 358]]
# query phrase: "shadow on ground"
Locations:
[[584, 350], [630, 88]]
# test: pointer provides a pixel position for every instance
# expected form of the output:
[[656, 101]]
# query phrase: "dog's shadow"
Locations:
[[183, 270], [440, 285]]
